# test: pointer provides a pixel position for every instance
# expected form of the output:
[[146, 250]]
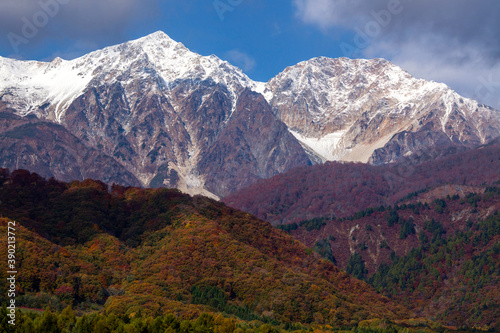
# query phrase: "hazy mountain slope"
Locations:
[[342, 189]]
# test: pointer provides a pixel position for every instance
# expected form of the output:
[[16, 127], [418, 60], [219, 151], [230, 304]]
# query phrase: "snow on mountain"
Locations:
[[171, 117], [324, 147], [343, 109], [174, 61], [166, 114], [30, 86]]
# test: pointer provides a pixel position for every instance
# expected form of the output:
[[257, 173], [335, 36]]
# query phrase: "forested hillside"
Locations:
[[342, 189], [128, 251], [438, 256]]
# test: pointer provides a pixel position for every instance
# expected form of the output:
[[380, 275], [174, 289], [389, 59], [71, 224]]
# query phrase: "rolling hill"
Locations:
[[159, 251]]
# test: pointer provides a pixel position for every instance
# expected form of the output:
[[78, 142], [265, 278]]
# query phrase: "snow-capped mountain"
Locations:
[[162, 115], [159, 110], [47, 89], [343, 109]]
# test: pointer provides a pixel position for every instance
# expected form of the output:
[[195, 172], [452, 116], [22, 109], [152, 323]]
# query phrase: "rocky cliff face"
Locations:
[[162, 115], [253, 145], [373, 111], [51, 150], [161, 112]]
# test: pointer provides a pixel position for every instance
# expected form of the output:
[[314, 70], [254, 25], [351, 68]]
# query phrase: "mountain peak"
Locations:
[[61, 82], [340, 108], [158, 38], [157, 42], [158, 35]]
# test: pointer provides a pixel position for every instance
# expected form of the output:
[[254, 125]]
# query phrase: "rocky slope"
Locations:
[[169, 117], [52, 150], [250, 147], [158, 110], [373, 111]]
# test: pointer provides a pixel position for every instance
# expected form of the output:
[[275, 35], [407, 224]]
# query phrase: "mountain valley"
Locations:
[[155, 189]]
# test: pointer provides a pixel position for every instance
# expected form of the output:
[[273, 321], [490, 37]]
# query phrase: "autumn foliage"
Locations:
[[342, 189], [125, 251], [439, 256]]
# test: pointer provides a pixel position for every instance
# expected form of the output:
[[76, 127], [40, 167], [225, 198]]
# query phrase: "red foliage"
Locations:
[[342, 189]]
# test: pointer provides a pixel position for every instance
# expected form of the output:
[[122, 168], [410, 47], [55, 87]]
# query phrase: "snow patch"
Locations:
[[325, 147], [261, 88]]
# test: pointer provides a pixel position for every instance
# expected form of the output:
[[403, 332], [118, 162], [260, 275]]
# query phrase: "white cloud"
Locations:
[[241, 60], [451, 41], [36, 21], [319, 12]]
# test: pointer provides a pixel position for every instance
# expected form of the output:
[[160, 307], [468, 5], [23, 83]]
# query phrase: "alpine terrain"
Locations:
[[162, 115], [373, 111], [166, 115]]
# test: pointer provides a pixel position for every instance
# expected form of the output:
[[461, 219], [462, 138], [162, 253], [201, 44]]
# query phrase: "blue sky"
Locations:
[[261, 37], [451, 41]]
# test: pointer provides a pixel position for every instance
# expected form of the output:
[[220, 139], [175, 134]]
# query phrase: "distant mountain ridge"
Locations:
[[373, 111], [170, 117]]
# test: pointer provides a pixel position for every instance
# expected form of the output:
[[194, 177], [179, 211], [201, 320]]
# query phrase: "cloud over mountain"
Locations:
[[451, 40], [28, 23]]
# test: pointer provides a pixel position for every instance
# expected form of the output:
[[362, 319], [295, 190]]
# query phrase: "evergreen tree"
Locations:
[[356, 266]]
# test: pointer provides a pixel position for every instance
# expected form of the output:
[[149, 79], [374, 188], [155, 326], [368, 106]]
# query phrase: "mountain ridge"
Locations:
[[150, 104], [161, 111], [347, 109], [157, 48], [341, 189]]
